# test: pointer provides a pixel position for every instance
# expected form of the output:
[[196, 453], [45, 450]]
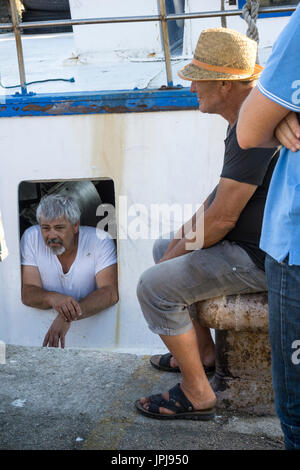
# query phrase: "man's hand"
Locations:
[[257, 129], [57, 333], [288, 132], [65, 305]]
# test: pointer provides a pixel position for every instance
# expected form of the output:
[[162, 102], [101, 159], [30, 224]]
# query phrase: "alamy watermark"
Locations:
[[296, 93], [296, 354], [141, 222]]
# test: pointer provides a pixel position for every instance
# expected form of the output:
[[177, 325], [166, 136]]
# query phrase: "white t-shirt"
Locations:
[[96, 251]]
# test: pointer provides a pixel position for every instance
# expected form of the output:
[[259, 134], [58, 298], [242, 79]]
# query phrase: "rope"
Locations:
[[250, 13], [40, 81], [223, 18]]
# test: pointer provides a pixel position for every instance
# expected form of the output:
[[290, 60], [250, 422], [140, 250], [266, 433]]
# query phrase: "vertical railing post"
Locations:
[[15, 22], [166, 44]]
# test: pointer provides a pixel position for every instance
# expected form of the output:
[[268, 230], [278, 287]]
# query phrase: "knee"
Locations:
[[157, 250], [160, 246], [145, 287]]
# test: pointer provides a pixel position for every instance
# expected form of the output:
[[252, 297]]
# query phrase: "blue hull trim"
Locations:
[[241, 3], [124, 101]]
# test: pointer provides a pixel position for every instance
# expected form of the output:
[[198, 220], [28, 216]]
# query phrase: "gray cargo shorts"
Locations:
[[167, 291]]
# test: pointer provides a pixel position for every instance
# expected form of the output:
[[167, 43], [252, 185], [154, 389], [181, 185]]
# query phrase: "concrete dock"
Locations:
[[55, 399]]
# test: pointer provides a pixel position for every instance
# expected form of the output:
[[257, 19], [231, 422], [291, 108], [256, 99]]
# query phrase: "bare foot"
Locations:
[[173, 362]]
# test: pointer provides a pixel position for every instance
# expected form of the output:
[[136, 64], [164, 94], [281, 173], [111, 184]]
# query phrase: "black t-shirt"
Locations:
[[252, 166]]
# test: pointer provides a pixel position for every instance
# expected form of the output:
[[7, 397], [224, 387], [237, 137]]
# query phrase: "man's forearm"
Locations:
[[34, 296], [186, 228], [98, 300], [204, 235]]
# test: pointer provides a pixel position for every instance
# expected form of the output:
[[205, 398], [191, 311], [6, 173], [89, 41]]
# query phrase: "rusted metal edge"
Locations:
[[127, 101]]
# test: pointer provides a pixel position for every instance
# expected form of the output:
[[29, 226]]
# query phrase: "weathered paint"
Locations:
[[102, 102], [247, 312], [108, 138], [243, 372]]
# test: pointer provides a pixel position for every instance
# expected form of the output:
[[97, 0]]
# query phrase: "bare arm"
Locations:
[[186, 228], [105, 296], [258, 119], [219, 219], [33, 293]]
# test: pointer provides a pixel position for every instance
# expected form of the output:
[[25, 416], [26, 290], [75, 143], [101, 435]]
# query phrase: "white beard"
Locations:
[[57, 250]]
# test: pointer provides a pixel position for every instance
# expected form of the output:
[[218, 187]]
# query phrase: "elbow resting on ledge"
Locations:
[[115, 297], [25, 298]]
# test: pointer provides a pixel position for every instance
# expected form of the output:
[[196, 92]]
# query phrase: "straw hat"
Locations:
[[223, 54]]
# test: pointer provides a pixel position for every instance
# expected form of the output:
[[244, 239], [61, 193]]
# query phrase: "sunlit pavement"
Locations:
[[84, 399]]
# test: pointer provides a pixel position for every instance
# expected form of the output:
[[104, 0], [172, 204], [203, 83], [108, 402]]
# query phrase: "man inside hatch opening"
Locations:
[[228, 260], [67, 267]]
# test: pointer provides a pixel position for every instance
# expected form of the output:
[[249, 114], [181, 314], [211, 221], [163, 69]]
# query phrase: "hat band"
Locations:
[[216, 68]]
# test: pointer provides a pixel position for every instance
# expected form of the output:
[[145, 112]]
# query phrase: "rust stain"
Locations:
[[73, 108], [243, 374], [107, 134], [36, 107]]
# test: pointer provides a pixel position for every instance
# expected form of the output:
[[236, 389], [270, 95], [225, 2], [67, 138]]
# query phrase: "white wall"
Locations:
[[166, 157], [140, 38], [269, 28]]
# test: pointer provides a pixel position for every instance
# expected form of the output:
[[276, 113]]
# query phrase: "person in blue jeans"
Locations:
[[270, 116]]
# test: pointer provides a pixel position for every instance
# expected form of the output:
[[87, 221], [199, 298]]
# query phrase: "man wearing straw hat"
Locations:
[[228, 259]]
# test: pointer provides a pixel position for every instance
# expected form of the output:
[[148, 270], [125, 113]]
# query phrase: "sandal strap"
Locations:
[[177, 395], [153, 408], [165, 360], [157, 401], [156, 398]]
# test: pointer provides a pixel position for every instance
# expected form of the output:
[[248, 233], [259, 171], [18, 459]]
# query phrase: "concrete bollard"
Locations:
[[243, 359], [2, 352]]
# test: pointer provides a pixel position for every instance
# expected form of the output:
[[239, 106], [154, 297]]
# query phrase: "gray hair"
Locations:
[[54, 206]]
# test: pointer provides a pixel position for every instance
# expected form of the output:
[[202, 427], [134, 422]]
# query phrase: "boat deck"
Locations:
[[52, 56]]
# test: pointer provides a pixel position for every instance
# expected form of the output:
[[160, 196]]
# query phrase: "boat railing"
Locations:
[[17, 26]]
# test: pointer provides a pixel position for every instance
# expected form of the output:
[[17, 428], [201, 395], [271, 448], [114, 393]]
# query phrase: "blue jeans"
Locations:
[[284, 327]]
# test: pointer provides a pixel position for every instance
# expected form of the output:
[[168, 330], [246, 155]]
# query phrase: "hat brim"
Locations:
[[194, 73]]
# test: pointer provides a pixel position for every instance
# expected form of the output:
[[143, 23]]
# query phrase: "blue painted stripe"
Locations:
[[121, 101], [241, 3]]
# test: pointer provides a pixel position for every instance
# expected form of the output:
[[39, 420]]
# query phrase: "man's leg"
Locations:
[[205, 342], [167, 289], [194, 384], [284, 327]]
